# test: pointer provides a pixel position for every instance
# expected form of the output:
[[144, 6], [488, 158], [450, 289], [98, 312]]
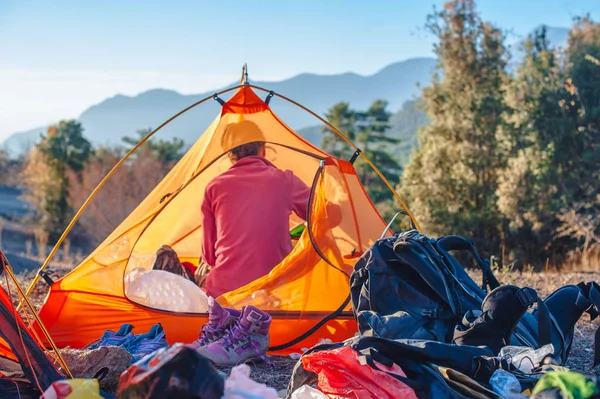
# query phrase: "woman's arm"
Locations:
[[209, 230]]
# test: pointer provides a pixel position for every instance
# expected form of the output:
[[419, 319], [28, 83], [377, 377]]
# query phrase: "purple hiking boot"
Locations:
[[247, 339], [220, 321]]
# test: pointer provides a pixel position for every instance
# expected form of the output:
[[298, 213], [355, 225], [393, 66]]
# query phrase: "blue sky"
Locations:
[[59, 57]]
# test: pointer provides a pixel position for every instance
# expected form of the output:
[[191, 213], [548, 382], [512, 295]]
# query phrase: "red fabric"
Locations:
[[245, 101], [340, 375], [189, 267], [246, 222]]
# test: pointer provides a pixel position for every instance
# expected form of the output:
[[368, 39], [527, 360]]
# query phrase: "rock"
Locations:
[[86, 363]]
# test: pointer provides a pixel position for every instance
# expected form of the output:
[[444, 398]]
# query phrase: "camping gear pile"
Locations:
[[426, 329], [434, 332]]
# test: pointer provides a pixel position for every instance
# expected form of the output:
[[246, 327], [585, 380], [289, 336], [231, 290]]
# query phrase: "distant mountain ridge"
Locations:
[[118, 116], [107, 122]]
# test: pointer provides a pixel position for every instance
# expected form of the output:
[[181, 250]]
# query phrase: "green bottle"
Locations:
[[297, 231]]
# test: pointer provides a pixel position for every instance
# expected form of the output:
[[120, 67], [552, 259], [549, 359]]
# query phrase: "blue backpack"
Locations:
[[409, 286]]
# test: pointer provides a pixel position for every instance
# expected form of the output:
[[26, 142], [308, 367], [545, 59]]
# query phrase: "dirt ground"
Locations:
[[580, 358]]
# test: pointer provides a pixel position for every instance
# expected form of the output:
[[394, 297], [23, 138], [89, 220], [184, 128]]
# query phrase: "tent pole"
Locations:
[[101, 184], [8, 270], [343, 137], [244, 79]]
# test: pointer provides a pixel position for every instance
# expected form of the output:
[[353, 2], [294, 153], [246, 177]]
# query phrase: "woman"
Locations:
[[245, 212]]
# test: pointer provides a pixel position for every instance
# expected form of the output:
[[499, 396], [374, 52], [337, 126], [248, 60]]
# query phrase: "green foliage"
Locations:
[[65, 147], [451, 179], [528, 188], [510, 160], [164, 151], [369, 131], [550, 186], [403, 127], [61, 152], [343, 118]]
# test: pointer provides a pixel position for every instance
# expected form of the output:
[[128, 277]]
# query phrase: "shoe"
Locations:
[[145, 344], [111, 338], [247, 339], [220, 321]]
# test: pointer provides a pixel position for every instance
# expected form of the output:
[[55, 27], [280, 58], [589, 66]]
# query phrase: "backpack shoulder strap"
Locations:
[[457, 243], [588, 300], [416, 252]]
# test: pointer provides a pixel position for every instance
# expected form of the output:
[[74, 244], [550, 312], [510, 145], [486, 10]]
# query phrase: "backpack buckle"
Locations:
[[527, 296], [431, 313]]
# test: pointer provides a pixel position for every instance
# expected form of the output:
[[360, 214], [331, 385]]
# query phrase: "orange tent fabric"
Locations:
[[307, 293]]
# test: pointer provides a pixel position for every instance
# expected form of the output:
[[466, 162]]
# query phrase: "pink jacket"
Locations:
[[245, 229]]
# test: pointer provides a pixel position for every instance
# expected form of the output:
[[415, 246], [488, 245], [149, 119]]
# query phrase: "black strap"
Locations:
[[594, 296], [46, 277], [218, 99], [269, 97], [314, 329], [458, 243], [589, 301], [355, 155], [527, 296], [544, 323]]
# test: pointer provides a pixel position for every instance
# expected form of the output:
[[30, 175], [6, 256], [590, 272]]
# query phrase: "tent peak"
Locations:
[[244, 101], [244, 79]]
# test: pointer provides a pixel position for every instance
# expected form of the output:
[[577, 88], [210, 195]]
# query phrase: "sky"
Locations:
[[57, 58]]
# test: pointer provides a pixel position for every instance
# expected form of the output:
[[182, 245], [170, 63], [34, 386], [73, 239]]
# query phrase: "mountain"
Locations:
[[119, 116], [405, 122], [404, 126]]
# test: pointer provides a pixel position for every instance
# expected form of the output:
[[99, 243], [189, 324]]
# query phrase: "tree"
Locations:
[[64, 149], [531, 188], [343, 118], [372, 138], [164, 151], [369, 131], [451, 179], [581, 177]]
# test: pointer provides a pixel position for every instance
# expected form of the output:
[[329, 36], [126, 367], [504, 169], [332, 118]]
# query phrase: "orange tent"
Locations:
[[307, 293]]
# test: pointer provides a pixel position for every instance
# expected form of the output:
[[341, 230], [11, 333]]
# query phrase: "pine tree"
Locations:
[[164, 151], [373, 140], [343, 118]]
